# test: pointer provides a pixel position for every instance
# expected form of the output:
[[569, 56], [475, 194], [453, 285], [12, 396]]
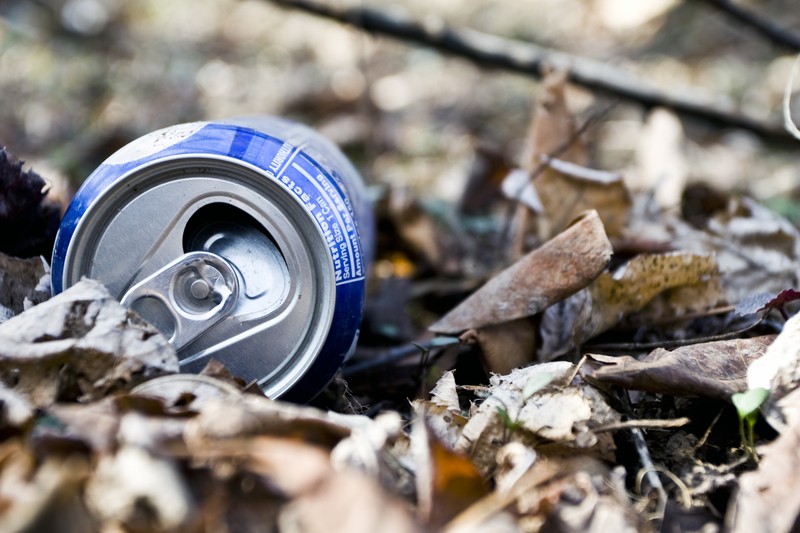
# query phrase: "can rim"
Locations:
[[123, 190]]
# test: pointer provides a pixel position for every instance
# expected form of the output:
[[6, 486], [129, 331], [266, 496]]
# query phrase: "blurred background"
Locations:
[[80, 78]]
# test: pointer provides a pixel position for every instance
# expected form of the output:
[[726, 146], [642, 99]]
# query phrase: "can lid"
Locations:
[[221, 257]]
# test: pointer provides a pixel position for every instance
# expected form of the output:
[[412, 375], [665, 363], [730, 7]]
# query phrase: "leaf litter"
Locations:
[[613, 342]]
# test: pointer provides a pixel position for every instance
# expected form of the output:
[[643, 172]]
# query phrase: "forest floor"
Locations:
[[581, 312]]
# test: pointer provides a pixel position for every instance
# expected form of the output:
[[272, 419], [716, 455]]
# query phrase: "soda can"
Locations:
[[244, 240]]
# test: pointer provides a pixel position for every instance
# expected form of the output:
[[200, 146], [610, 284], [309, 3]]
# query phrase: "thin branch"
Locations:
[[533, 60], [667, 344], [767, 28], [659, 423]]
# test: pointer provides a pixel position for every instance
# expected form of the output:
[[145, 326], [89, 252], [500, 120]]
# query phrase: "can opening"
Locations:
[[155, 311], [260, 265]]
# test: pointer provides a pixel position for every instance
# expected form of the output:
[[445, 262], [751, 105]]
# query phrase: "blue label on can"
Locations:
[[321, 192]]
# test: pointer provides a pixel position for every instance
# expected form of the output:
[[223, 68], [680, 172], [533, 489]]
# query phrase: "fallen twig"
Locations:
[[398, 353], [668, 344], [777, 34], [533, 60], [648, 471], [647, 424]]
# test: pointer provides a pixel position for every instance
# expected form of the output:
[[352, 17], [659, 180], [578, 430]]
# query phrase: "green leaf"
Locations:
[[748, 403], [506, 420]]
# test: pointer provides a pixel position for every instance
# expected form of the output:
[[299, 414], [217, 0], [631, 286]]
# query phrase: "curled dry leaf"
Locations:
[[711, 369], [778, 371], [322, 498], [505, 346], [81, 343], [613, 296], [562, 187], [552, 133], [562, 266], [566, 189], [583, 496], [250, 415], [783, 298], [186, 392], [558, 494], [371, 449], [23, 284], [757, 250], [552, 128], [443, 411], [550, 415]]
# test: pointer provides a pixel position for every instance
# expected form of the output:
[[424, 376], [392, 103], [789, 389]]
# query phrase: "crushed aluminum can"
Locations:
[[244, 240]]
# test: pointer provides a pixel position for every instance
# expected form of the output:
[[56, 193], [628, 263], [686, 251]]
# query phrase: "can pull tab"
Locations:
[[186, 297]]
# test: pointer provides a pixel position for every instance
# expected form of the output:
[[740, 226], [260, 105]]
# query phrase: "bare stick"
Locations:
[[532, 60], [762, 25], [643, 423]]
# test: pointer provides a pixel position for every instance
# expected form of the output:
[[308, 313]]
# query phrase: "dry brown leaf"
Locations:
[[442, 412], [662, 169], [563, 186], [420, 232], [634, 284], [23, 284], [681, 301], [562, 266], [569, 495], [534, 406], [292, 466], [347, 502], [778, 371], [251, 415], [552, 125], [552, 134], [566, 190], [757, 250], [140, 491], [505, 346], [584, 496], [613, 296], [447, 481], [81, 342], [377, 450], [322, 497], [711, 369], [186, 392], [41, 494]]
